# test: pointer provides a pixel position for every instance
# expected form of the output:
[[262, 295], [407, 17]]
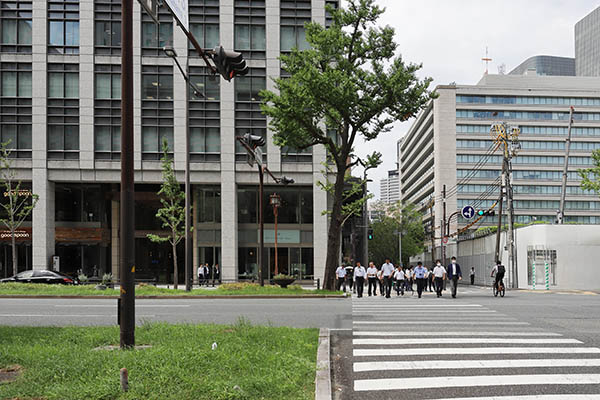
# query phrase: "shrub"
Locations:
[[83, 278], [107, 279], [283, 276], [238, 286]]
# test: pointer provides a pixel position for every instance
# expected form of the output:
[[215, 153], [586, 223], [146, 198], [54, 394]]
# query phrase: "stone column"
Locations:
[[86, 86], [273, 69]]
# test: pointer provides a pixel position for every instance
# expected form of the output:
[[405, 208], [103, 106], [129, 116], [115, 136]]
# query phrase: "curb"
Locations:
[[323, 376], [206, 297]]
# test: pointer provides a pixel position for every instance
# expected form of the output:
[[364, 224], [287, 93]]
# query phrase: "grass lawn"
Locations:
[[226, 289], [60, 363]]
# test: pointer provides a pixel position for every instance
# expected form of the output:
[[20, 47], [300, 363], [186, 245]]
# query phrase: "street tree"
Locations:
[[392, 219], [349, 84], [17, 204], [590, 177], [172, 213]]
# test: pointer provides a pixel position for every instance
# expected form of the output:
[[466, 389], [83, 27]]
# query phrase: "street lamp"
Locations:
[[275, 202], [171, 53]]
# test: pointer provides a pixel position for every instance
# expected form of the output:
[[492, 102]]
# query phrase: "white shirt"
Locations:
[[340, 272], [372, 272], [399, 275], [439, 271], [387, 269], [360, 272]]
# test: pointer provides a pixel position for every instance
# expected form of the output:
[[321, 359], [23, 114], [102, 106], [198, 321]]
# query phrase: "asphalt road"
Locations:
[[476, 346], [301, 313]]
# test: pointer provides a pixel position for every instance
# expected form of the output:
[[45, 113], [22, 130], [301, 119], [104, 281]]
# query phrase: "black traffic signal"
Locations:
[[284, 180], [486, 213], [254, 140], [370, 233], [229, 63]]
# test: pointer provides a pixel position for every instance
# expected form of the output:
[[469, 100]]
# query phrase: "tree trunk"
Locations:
[[175, 271], [335, 227], [14, 252]]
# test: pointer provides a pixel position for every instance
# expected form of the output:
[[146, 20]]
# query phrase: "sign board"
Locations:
[[151, 7], [283, 236], [56, 263], [179, 8], [445, 239], [467, 212]]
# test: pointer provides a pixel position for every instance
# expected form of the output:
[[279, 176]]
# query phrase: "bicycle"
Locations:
[[499, 289]]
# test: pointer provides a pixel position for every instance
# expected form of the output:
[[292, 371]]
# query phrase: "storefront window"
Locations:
[[79, 203], [247, 265]]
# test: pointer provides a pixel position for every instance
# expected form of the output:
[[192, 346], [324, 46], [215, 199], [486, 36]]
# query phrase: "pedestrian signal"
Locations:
[[370, 234]]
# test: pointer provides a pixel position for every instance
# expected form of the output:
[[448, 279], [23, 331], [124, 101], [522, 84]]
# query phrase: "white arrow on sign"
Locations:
[[467, 212]]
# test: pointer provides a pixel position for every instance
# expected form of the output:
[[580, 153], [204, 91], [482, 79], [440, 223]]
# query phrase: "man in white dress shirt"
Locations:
[[387, 272], [359, 278]]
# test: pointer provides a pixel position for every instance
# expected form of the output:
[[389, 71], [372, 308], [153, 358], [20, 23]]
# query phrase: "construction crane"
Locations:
[[560, 213]]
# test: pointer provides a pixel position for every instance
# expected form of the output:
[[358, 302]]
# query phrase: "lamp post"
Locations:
[[275, 201], [171, 53]]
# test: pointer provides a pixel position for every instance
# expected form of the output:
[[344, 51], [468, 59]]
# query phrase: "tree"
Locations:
[[393, 218], [350, 83], [18, 203], [172, 213], [590, 177]]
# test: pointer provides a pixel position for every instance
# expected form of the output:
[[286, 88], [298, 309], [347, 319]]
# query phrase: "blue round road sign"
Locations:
[[467, 212]]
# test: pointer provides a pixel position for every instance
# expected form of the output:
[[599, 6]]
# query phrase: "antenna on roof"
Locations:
[[486, 59]]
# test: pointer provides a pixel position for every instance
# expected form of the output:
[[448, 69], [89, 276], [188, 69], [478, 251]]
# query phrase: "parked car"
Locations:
[[41, 276]]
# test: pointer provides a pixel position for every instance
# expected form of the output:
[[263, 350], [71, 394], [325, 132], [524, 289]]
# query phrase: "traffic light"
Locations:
[[229, 63], [370, 234], [284, 180], [254, 140], [486, 213]]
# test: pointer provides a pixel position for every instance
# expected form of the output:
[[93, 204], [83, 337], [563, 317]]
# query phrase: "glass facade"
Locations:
[[249, 28], [204, 116], [248, 116], [63, 111], [63, 26], [16, 108], [204, 24], [16, 21], [107, 32], [157, 110], [107, 112]]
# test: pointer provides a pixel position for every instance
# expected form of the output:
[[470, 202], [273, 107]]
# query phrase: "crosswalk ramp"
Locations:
[[431, 348]]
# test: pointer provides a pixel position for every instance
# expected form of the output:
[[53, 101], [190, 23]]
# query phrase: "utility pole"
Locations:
[[127, 199], [261, 245], [365, 227], [500, 201], [444, 233], [432, 229], [561, 211]]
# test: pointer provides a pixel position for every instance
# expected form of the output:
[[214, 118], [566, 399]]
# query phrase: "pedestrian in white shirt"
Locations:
[[439, 274], [372, 278], [387, 273], [399, 279], [359, 278], [340, 273]]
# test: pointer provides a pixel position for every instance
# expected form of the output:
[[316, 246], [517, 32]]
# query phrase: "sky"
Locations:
[[449, 37]]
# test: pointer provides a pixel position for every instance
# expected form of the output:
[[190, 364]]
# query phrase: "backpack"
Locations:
[[501, 269]]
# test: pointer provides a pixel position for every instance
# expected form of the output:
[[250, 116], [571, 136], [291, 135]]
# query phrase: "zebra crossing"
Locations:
[[429, 348]]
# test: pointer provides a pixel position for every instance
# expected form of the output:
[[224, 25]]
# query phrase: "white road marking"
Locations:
[[457, 333], [453, 322], [471, 381], [420, 312], [429, 305], [437, 351], [382, 341], [535, 397], [114, 305], [475, 364], [68, 315]]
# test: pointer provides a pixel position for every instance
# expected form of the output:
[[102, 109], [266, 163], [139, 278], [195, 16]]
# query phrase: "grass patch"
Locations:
[[61, 363], [226, 289]]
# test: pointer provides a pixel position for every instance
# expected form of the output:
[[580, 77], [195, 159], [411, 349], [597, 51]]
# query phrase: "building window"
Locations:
[[155, 37], [204, 24], [157, 110], [107, 35], [294, 14], [16, 19], [204, 116], [248, 116], [63, 111], [209, 205], [15, 108], [335, 4], [107, 112], [249, 29], [63, 26]]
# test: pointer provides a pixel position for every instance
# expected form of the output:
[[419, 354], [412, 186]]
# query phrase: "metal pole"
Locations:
[[500, 200], [189, 276], [365, 260], [261, 275], [444, 226], [432, 236], [276, 260], [511, 233], [561, 211], [127, 197]]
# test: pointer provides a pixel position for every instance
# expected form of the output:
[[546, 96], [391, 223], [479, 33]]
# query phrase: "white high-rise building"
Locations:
[[389, 187]]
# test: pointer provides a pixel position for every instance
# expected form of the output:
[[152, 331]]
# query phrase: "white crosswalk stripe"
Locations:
[[464, 349]]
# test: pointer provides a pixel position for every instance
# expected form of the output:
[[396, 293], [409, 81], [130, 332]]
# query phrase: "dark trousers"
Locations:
[[421, 282], [430, 282], [387, 283], [454, 285], [373, 283], [439, 285], [400, 287], [359, 284], [381, 289], [349, 282], [472, 279], [340, 282]]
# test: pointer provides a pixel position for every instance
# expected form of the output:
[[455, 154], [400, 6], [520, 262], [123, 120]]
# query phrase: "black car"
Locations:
[[41, 276]]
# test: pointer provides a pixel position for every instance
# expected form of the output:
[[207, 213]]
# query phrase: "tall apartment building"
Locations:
[[449, 141], [587, 44], [389, 188], [60, 100]]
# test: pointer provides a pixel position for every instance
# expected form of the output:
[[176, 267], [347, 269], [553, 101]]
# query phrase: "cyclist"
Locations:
[[499, 271]]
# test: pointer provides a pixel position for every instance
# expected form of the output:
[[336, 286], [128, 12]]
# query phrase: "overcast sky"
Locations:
[[449, 38]]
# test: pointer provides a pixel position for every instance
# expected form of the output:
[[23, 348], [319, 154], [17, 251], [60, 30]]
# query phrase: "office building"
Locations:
[[389, 188], [546, 65], [448, 144], [587, 44], [60, 99]]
